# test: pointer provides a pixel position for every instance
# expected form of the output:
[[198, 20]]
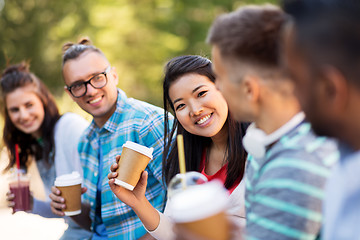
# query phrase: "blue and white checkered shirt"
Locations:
[[136, 121]]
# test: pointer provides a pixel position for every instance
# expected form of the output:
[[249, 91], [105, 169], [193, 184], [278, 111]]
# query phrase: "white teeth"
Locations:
[[95, 100], [204, 119]]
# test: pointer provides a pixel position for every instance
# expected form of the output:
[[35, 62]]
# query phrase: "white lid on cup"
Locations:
[[199, 202], [139, 148], [18, 174], [73, 178]]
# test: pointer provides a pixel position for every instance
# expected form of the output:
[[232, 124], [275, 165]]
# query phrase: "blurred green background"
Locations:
[[137, 36]]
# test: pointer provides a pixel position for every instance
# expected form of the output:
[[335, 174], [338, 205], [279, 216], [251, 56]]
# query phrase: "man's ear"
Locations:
[[251, 87], [114, 75], [335, 87]]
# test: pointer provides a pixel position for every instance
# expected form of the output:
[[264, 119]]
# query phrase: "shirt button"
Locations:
[[95, 174], [91, 203]]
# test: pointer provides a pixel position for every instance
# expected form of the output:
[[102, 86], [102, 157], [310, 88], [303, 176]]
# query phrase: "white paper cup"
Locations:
[[201, 209], [70, 188], [133, 161]]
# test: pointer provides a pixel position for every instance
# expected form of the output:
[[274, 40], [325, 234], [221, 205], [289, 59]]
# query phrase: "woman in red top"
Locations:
[[212, 140]]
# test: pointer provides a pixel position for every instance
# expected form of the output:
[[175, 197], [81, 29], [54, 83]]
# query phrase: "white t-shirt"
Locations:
[[67, 132]]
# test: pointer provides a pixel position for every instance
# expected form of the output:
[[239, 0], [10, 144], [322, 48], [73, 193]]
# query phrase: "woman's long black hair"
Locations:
[[194, 145], [12, 78]]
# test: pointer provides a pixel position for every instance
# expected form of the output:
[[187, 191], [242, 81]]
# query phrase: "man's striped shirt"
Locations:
[[285, 189]]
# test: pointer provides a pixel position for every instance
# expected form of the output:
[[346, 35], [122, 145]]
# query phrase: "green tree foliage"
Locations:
[[28, 31], [138, 36]]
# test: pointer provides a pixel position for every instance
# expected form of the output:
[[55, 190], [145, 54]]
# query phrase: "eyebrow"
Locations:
[[82, 81], [16, 107], [12, 108], [194, 90]]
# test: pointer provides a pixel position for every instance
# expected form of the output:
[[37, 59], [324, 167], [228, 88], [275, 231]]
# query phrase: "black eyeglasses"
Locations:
[[97, 81]]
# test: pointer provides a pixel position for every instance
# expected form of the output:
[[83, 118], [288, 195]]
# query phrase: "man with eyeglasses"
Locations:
[[91, 83], [79, 89]]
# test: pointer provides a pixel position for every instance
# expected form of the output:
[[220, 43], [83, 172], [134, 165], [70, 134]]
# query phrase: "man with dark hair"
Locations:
[[288, 165], [322, 53]]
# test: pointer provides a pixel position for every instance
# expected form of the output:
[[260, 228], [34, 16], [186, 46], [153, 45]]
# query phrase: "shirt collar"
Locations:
[[112, 123]]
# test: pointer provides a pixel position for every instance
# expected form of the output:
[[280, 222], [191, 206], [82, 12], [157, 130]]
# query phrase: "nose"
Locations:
[[90, 90], [24, 114], [196, 109]]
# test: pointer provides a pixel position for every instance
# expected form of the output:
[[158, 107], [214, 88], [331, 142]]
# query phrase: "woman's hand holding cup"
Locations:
[[10, 198], [130, 198]]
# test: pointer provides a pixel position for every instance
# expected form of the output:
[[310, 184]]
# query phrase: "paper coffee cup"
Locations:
[[202, 210], [133, 161], [70, 188]]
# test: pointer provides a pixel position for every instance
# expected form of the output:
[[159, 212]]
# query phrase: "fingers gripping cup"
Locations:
[[70, 188], [201, 210], [133, 161]]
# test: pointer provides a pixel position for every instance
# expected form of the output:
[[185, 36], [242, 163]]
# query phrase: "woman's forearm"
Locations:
[[148, 215]]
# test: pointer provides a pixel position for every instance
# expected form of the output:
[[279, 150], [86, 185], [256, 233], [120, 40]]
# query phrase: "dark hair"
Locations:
[[327, 32], [194, 145], [250, 33], [74, 50], [12, 78]]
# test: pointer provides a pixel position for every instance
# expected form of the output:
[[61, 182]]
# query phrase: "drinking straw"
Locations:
[[17, 157], [18, 191], [17, 162], [181, 153]]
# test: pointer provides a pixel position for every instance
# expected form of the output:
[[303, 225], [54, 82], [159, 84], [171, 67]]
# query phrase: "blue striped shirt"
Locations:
[[136, 121], [285, 189]]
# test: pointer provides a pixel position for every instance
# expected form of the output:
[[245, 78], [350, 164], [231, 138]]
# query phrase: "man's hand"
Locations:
[[57, 202]]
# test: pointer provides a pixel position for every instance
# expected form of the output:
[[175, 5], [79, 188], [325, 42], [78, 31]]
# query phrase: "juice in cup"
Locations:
[[19, 186]]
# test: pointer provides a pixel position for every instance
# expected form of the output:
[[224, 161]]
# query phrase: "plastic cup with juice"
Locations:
[[19, 186]]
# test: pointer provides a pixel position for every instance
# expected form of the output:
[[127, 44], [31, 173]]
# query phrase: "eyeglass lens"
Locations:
[[97, 81]]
